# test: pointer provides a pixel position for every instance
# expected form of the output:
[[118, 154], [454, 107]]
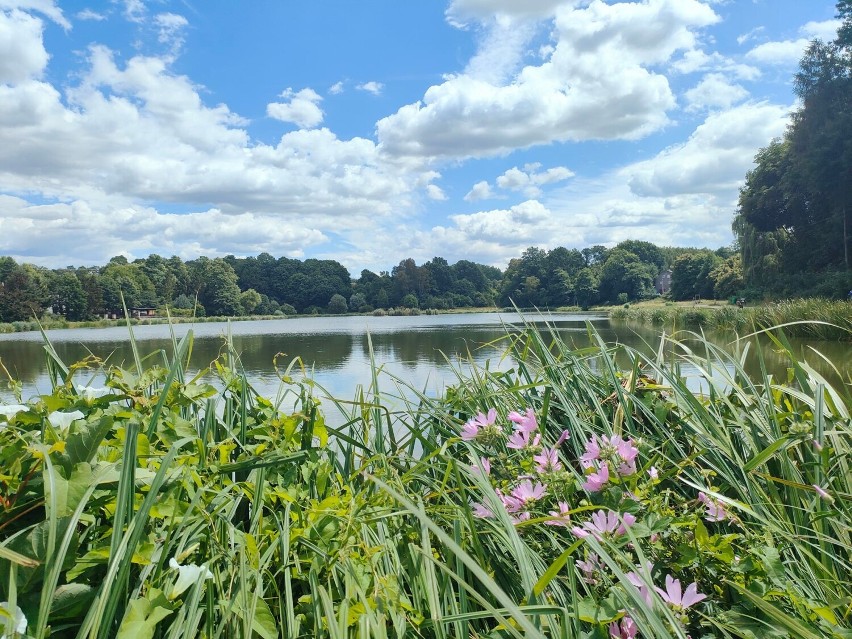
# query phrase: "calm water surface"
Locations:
[[420, 350]]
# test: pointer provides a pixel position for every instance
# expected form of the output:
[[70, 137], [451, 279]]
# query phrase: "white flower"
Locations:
[[12, 409], [12, 623], [62, 421], [187, 575], [90, 393]]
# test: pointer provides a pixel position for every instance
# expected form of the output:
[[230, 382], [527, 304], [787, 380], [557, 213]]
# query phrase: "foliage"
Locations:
[[158, 505]]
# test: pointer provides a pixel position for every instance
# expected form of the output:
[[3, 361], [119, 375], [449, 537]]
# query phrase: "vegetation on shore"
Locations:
[[808, 318], [562, 498]]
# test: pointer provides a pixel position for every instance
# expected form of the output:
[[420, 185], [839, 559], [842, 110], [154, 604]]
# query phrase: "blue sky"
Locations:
[[373, 131]]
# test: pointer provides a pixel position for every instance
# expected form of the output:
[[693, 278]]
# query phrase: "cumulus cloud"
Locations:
[[479, 191], [714, 92], [530, 179], [716, 156], [697, 60], [22, 53], [435, 192], [460, 12], [371, 87], [336, 88], [301, 108], [518, 224], [596, 84], [789, 52], [134, 10]]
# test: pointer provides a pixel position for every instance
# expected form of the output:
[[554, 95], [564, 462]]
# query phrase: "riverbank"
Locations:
[[560, 499], [807, 318]]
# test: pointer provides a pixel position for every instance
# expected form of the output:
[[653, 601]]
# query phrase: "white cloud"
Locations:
[[45, 7], [435, 192], [22, 53], [134, 10], [789, 52], [713, 92], [515, 225], [696, 60], [301, 108], [336, 88], [89, 14], [716, 156], [529, 180], [597, 84], [751, 35], [479, 191], [171, 26], [371, 87], [461, 11]]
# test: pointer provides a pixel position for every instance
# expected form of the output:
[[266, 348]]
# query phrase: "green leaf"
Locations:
[[765, 454], [262, 620], [142, 616], [83, 445], [71, 600]]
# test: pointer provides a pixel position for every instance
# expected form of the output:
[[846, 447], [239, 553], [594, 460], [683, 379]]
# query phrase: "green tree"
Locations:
[[218, 291], [67, 296], [337, 304], [691, 275], [624, 272], [250, 300]]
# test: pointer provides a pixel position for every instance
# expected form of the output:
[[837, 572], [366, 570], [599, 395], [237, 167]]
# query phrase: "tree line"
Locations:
[[266, 285]]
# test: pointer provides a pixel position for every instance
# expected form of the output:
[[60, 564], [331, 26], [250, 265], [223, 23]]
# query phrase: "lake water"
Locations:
[[421, 349]]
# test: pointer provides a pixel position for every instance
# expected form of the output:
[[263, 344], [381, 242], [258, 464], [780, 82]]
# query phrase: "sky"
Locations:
[[373, 131]]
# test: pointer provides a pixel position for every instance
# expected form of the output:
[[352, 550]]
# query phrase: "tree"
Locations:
[[22, 295], [586, 288], [691, 275], [250, 300], [337, 304], [624, 272], [218, 291], [67, 296]]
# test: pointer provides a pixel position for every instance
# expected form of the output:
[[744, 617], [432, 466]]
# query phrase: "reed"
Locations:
[[176, 507]]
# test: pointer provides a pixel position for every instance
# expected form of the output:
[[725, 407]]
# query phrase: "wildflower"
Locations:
[[520, 439], [12, 623], [62, 421], [526, 492], [817, 446], [559, 518], [621, 452], [10, 410], [596, 481], [483, 466], [626, 630], [562, 438], [483, 512], [641, 584], [604, 523], [512, 504], [187, 576], [653, 473], [673, 596], [518, 518], [547, 461], [524, 423], [715, 509], [471, 430], [589, 567], [822, 493]]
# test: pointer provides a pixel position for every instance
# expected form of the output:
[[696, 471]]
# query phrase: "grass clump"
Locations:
[[565, 497]]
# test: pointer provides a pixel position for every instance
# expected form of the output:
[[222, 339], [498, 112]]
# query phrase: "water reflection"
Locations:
[[336, 350]]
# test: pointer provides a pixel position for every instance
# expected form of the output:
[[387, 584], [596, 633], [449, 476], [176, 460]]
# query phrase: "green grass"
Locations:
[[368, 529]]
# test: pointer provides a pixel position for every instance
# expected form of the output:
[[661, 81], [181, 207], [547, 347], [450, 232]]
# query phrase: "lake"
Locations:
[[336, 350]]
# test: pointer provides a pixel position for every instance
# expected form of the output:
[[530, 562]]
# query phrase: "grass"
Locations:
[[370, 530]]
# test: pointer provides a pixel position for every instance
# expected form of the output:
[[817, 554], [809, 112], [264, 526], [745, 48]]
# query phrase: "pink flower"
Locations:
[[547, 461], [627, 629], [817, 446], [715, 510], [512, 504], [641, 584], [621, 452], [518, 518], [589, 568], [471, 429], [526, 492], [604, 523], [521, 439], [482, 511], [562, 438], [596, 481], [680, 601], [484, 466], [653, 473], [524, 423], [559, 518], [593, 451]]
